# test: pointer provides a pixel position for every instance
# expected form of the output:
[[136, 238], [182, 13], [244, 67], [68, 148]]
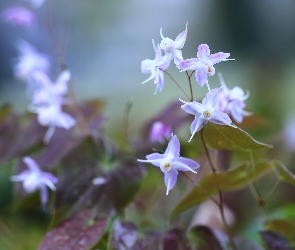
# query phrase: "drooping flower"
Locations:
[[206, 111], [171, 162], [29, 61], [35, 179], [232, 101], [203, 64], [159, 132], [19, 16], [48, 100], [173, 48], [155, 68]]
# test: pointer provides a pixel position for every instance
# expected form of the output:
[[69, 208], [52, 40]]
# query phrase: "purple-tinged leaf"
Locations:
[[229, 138], [175, 240], [285, 227], [150, 240], [81, 231], [230, 180], [275, 240]]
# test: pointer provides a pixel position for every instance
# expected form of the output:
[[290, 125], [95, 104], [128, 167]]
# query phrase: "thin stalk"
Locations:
[[221, 204], [190, 86], [197, 185], [126, 119], [272, 190], [177, 84]]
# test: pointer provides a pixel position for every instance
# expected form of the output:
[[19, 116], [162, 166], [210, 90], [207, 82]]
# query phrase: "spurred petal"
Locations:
[[33, 166], [193, 108], [185, 164], [170, 178], [181, 38], [221, 119], [173, 148], [218, 57], [212, 98], [203, 52], [191, 64], [177, 56], [196, 126], [154, 158]]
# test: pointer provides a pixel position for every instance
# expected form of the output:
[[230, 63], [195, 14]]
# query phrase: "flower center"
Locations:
[[165, 165], [207, 113]]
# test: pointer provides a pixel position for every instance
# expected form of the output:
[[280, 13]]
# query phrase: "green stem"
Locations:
[[221, 203], [190, 86]]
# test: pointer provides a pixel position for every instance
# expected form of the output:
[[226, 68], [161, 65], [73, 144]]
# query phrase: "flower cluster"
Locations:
[[217, 107]]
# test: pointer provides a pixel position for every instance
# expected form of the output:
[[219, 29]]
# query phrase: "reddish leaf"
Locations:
[[78, 232], [275, 241]]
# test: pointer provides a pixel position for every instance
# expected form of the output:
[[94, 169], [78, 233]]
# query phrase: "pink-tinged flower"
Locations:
[[203, 64], [155, 68], [160, 132], [35, 3], [19, 16], [35, 179], [232, 101], [48, 100], [29, 61], [170, 163], [205, 112], [173, 48]]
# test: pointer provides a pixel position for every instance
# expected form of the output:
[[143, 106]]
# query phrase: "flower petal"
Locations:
[[180, 39], [173, 148], [193, 108], [196, 126], [33, 166], [191, 64], [218, 57], [201, 77], [221, 118], [203, 52], [185, 164], [170, 178], [154, 158]]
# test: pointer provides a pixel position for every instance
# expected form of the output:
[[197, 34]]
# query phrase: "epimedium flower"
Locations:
[[232, 101], [35, 179], [19, 16], [159, 132], [171, 162], [155, 68], [205, 112], [173, 48], [29, 61], [48, 100], [203, 64]]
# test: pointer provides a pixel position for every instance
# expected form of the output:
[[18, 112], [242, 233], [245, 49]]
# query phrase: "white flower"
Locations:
[[34, 179]]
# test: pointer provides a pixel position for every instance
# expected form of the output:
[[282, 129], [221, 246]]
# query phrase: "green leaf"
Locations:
[[226, 137], [284, 173], [204, 238], [285, 227], [230, 180], [78, 232]]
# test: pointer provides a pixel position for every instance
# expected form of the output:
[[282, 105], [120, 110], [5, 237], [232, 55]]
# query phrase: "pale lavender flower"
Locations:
[[35, 3], [170, 163], [125, 235], [206, 111], [29, 61], [48, 100], [19, 16], [159, 132], [35, 179], [173, 48], [232, 101], [203, 64], [155, 68]]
